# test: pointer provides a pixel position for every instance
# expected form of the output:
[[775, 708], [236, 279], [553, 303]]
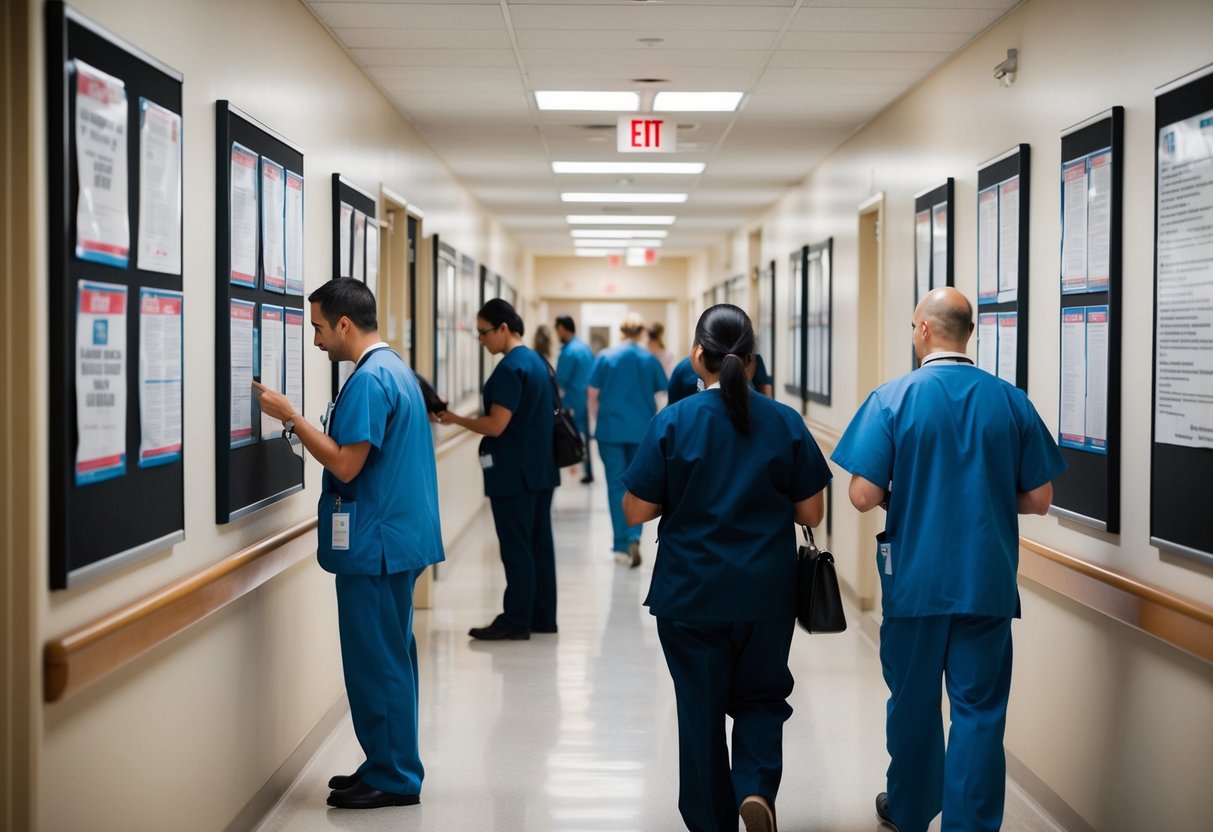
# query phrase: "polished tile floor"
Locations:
[[577, 732]]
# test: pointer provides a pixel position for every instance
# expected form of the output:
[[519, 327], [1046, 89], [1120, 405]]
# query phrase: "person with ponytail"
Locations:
[[729, 473], [519, 473]]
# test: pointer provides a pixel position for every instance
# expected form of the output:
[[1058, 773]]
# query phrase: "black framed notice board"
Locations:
[[355, 248], [259, 314], [116, 471], [1002, 265], [1092, 168], [1181, 448], [819, 330], [797, 309]]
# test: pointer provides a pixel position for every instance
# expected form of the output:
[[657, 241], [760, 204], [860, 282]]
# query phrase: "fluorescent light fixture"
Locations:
[[696, 102], [616, 243], [620, 219], [628, 167], [624, 102], [595, 252], [619, 233], [622, 196]]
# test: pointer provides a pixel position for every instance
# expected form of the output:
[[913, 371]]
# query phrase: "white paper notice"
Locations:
[[1074, 227], [1097, 379], [243, 216], [1008, 346], [294, 358], [359, 271], [922, 253], [1073, 414], [987, 342], [100, 381], [159, 189], [1008, 240], [103, 232], [160, 314], [987, 246], [345, 228], [939, 245], [1183, 397], [372, 257], [271, 360], [1099, 221], [294, 233], [273, 201], [243, 316]]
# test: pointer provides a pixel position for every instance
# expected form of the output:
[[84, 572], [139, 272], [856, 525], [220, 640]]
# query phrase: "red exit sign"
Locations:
[[646, 133]]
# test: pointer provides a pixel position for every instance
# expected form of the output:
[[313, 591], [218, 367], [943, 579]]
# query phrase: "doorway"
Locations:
[[869, 364]]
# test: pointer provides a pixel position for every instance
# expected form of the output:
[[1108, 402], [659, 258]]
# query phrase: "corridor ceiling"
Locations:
[[463, 72]]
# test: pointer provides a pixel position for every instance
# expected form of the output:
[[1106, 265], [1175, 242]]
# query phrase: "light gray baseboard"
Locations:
[[267, 797], [1045, 797]]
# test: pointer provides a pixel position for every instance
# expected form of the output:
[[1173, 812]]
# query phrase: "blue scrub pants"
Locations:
[[583, 427], [968, 783], [616, 457], [379, 657], [739, 669], [524, 532]]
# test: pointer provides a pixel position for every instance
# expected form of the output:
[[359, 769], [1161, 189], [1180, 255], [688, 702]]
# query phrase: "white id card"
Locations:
[[886, 552], [341, 532], [486, 460]]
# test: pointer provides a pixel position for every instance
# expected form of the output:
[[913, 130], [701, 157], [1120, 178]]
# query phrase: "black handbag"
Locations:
[[567, 445], [818, 599]]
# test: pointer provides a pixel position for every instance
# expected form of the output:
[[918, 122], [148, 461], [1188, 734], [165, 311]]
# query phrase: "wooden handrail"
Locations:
[[1178, 621], [93, 651]]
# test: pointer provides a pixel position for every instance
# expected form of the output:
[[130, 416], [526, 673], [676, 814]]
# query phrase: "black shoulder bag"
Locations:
[[818, 599], [567, 444]]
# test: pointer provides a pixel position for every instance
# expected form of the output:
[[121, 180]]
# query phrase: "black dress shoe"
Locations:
[[343, 781], [586, 480], [362, 796], [547, 630], [495, 633], [882, 810]]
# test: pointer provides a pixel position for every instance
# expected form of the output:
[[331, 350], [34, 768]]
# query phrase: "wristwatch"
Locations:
[[288, 427]]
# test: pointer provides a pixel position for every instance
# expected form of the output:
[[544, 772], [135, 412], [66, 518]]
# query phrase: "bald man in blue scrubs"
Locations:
[[955, 455]]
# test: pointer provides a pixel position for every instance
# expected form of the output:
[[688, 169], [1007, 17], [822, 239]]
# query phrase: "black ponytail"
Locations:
[[727, 338], [497, 312]]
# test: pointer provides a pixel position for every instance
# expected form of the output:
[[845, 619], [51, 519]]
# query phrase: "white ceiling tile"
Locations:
[[637, 59], [821, 78], [738, 17], [672, 39], [965, 21], [410, 15], [880, 41], [999, 5], [435, 57], [381, 38], [858, 59]]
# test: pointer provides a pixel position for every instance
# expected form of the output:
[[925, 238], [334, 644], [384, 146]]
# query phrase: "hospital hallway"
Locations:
[[577, 731]]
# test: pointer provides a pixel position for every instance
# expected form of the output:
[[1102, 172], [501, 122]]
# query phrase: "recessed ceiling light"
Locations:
[[626, 102], [703, 102], [618, 233], [600, 219], [622, 197], [595, 252], [624, 243], [628, 167]]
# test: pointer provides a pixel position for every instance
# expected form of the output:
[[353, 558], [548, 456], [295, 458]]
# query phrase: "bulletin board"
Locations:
[[1002, 265], [934, 218], [1092, 168], [355, 249], [797, 310], [490, 283], [116, 307], [765, 324], [1181, 450], [446, 279], [258, 300]]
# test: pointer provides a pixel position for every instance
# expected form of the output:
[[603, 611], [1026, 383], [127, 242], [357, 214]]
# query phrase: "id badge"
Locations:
[[886, 556], [341, 532], [486, 460]]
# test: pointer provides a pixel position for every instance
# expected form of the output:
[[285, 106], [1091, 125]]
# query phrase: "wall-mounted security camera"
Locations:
[[1004, 73]]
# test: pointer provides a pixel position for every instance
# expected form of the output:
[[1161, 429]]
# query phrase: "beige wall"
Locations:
[[1093, 703], [184, 737]]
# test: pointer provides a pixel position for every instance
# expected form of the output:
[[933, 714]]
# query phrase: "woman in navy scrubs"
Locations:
[[519, 473], [729, 473]]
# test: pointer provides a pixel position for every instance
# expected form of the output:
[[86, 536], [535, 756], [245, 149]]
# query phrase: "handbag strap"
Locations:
[[808, 533], [555, 389]]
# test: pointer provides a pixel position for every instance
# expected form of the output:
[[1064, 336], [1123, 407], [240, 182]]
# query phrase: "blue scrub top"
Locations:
[[684, 382], [727, 538], [573, 374], [626, 377], [521, 457], [956, 445], [393, 502]]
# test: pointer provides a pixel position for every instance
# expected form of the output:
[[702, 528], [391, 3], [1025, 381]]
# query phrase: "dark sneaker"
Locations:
[[757, 814], [633, 554], [496, 633], [882, 810]]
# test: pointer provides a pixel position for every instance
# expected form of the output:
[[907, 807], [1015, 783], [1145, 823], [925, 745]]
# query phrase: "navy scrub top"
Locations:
[[727, 538], [521, 458], [684, 382]]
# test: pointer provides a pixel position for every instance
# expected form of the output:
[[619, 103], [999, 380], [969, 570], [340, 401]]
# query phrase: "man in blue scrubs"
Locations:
[[573, 375], [684, 382], [954, 454], [378, 529], [621, 399]]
